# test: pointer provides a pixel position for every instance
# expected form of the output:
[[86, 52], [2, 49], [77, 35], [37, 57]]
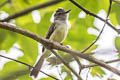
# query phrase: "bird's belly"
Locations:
[[60, 34]]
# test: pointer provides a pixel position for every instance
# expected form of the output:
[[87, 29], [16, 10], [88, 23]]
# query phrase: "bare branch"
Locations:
[[101, 30], [118, 2], [93, 65], [4, 3], [54, 45], [79, 63], [87, 74], [28, 10], [65, 63], [93, 41], [27, 65], [94, 15], [58, 71]]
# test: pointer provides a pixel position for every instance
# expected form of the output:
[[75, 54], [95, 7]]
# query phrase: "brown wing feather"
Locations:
[[50, 31]]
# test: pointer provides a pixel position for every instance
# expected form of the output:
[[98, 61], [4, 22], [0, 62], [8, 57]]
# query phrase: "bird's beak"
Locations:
[[67, 11]]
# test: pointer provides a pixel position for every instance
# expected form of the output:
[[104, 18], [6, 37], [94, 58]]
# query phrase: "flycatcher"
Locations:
[[56, 32]]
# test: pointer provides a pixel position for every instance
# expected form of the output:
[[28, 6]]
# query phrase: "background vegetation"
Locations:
[[78, 37]]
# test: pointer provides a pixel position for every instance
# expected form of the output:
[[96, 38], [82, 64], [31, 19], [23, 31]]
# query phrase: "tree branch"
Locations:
[[65, 63], [116, 1], [28, 10], [54, 45], [78, 62], [93, 65], [87, 74], [94, 41], [4, 3], [27, 65], [101, 30], [94, 15], [58, 71]]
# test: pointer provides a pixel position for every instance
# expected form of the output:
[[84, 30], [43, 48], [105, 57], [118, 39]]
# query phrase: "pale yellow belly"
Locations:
[[59, 34]]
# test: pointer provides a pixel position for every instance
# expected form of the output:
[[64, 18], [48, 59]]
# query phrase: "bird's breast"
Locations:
[[60, 33]]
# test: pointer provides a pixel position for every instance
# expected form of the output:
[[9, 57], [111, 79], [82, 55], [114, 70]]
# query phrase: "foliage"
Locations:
[[117, 44], [78, 36]]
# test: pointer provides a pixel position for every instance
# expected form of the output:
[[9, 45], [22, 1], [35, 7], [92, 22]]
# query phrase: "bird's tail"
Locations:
[[38, 66]]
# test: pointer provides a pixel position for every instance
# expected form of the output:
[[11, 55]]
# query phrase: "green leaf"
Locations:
[[92, 48], [44, 24], [25, 77], [113, 19], [117, 44], [26, 22], [27, 1], [2, 37], [7, 39], [48, 78], [113, 79], [30, 49], [1, 1], [115, 10], [12, 70], [97, 71], [55, 61], [79, 27], [69, 75]]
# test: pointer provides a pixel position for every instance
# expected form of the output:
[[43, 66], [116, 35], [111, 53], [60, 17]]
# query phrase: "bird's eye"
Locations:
[[59, 13]]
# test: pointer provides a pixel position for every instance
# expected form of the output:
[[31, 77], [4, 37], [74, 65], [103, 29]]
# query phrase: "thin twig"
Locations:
[[111, 75], [58, 70], [94, 41], [93, 65], [79, 63], [109, 10], [118, 2], [65, 63], [4, 3], [87, 74], [28, 10], [27, 65], [92, 14], [101, 30], [54, 45]]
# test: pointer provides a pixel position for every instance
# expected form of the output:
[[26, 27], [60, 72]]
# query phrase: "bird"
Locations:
[[57, 32]]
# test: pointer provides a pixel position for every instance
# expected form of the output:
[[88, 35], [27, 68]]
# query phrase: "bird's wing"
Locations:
[[49, 33], [50, 30]]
